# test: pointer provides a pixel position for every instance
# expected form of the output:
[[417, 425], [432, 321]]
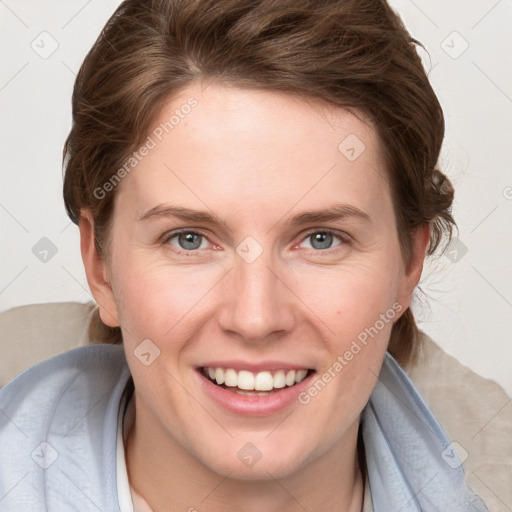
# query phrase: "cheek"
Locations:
[[356, 308], [155, 299], [348, 299], [359, 310]]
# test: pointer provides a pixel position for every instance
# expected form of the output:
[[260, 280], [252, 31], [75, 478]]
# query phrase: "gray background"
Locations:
[[467, 301]]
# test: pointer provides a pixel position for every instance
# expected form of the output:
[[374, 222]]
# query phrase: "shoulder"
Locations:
[[476, 414], [407, 449], [35, 332], [90, 368], [58, 430]]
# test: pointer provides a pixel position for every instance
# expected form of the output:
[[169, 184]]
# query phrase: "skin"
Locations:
[[255, 159]]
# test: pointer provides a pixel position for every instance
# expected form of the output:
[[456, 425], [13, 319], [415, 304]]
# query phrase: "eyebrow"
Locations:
[[186, 214], [332, 213]]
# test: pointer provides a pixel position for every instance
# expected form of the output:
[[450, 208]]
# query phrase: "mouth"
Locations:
[[255, 384]]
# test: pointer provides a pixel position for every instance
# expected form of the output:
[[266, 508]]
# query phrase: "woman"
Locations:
[[256, 189]]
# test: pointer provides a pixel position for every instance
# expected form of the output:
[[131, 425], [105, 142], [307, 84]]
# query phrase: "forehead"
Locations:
[[246, 148]]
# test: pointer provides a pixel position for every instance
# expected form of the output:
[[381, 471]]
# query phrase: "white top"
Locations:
[[367, 500], [129, 500], [71, 405]]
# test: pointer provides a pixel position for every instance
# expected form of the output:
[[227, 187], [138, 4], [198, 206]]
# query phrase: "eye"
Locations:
[[186, 241], [322, 240]]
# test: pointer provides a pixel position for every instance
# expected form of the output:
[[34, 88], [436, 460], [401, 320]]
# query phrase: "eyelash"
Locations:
[[169, 236], [344, 239]]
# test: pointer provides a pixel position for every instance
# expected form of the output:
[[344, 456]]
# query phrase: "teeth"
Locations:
[[245, 380], [230, 378], [279, 379], [248, 381], [290, 378], [300, 375], [219, 376], [263, 381]]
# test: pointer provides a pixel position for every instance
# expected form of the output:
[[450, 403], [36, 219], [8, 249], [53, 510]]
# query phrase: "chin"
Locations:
[[249, 463]]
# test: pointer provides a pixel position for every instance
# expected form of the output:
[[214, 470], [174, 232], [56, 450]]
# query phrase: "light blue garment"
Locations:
[[58, 428], [411, 464]]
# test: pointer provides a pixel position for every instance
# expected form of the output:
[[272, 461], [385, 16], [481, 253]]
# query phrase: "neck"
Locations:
[[171, 479]]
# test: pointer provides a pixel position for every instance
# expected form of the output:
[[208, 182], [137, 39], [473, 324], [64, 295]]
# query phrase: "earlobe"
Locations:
[[96, 271], [412, 273]]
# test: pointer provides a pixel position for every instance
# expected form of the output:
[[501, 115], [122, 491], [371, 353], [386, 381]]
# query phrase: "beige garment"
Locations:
[[30, 334], [476, 413]]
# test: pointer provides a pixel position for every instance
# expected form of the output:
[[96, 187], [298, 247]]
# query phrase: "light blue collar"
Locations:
[[411, 464], [58, 433]]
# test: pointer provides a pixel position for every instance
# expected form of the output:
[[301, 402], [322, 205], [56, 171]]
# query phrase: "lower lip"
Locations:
[[253, 405]]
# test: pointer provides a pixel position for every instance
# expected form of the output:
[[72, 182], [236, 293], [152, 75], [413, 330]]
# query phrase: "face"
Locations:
[[255, 245]]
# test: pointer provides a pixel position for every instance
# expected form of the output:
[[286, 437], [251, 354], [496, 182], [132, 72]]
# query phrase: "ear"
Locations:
[[96, 271], [412, 273]]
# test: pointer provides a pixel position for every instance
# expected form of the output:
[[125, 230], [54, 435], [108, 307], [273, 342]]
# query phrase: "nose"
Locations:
[[256, 304]]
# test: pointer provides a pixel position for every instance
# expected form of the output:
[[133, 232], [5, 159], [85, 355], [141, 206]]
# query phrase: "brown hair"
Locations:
[[351, 53]]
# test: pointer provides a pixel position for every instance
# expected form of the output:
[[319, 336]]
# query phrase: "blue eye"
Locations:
[[186, 240], [189, 241], [322, 240]]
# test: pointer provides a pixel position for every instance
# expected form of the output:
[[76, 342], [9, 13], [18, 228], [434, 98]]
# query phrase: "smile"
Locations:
[[253, 389], [248, 383]]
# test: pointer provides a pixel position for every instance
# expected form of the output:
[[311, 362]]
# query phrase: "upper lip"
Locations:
[[255, 367]]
